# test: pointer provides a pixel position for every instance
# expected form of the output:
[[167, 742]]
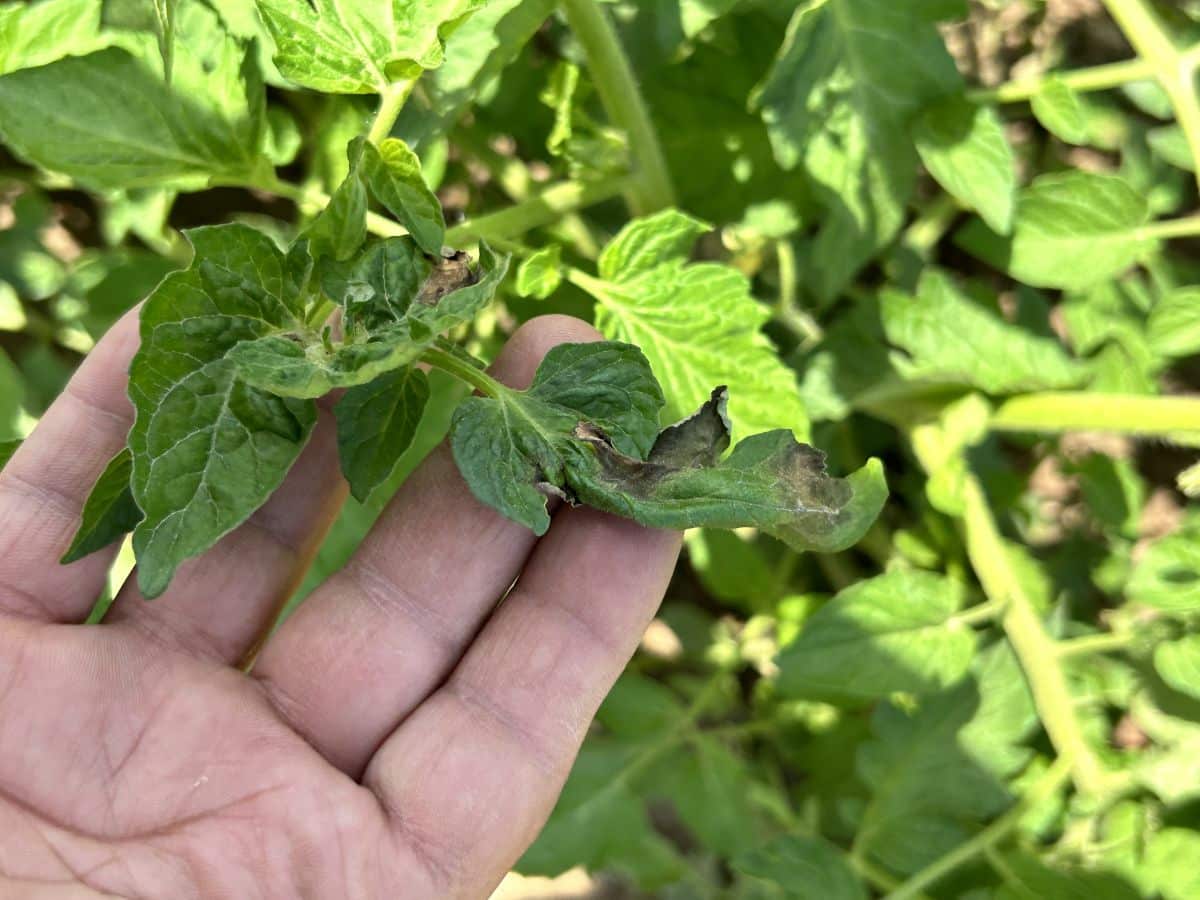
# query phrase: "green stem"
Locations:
[[925, 233], [877, 876], [1095, 643], [1056, 411], [464, 371], [1094, 78], [786, 309], [542, 209], [1033, 647], [1174, 68], [622, 99], [391, 101], [1050, 782], [983, 612], [1189, 226]]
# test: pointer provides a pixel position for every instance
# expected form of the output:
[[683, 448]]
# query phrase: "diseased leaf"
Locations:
[[392, 172], [109, 120], [540, 273], [291, 361], [376, 423], [558, 438], [1058, 108], [7, 450], [895, 632], [359, 46], [963, 146], [34, 34], [109, 513], [837, 101], [804, 868], [1072, 230], [207, 448], [948, 338], [698, 325], [1178, 662]]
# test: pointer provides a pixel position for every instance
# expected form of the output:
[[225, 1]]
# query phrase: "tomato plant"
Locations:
[[823, 240]]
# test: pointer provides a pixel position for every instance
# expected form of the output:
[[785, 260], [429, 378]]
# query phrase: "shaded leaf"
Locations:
[[963, 146], [1059, 110], [1073, 230], [376, 423], [109, 513], [895, 632], [803, 868], [1178, 662]]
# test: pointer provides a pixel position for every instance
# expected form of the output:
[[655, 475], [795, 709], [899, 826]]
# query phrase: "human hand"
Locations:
[[399, 736]]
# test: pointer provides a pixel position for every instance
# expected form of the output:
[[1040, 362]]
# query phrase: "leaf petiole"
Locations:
[[391, 102], [464, 371]]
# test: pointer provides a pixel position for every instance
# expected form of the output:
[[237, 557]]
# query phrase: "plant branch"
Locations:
[[1189, 226], [1033, 647], [1174, 68], [1050, 782], [1057, 411], [622, 99]]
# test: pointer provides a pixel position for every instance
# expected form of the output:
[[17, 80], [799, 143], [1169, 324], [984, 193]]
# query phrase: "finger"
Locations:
[[471, 776], [384, 631], [220, 604], [44, 486]]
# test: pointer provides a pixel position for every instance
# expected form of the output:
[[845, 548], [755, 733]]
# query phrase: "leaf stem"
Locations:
[[1174, 68], [1057, 411], [1045, 787], [1095, 643], [786, 309], [622, 100], [541, 209], [1033, 647], [1093, 78], [1188, 226], [464, 371], [982, 612], [391, 101]]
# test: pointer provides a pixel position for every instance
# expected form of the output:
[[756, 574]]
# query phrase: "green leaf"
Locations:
[[109, 120], [698, 325], [393, 174], [359, 46], [948, 338], [1061, 113], [649, 242], [805, 868], [1178, 662], [109, 513], [540, 273], [34, 34], [1174, 324], [155, 16], [1170, 144], [338, 231], [376, 423], [1073, 230], [928, 793], [382, 288], [964, 148], [207, 448], [1167, 576], [1171, 859], [895, 632], [7, 450], [837, 101], [600, 823], [1028, 878], [639, 707]]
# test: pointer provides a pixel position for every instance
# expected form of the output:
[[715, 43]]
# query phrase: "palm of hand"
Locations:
[[396, 738]]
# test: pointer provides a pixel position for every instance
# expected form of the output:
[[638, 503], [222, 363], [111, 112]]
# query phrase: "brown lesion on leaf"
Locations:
[[451, 271]]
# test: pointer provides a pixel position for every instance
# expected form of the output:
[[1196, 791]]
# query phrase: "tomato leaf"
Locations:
[[110, 512]]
